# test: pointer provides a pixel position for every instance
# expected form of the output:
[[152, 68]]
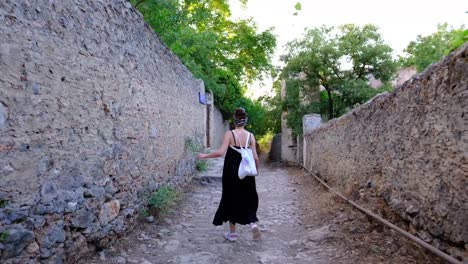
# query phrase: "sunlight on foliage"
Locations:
[[265, 141]]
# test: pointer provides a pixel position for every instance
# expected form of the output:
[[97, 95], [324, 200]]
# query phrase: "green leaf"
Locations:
[[298, 6]]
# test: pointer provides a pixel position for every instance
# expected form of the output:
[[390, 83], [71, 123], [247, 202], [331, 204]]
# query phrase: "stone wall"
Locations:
[[410, 147], [403, 75], [218, 128], [299, 150], [310, 122], [94, 111], [275, 149], [288, 142]]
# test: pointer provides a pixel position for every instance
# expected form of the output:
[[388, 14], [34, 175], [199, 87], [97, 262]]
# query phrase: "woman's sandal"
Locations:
[[256, 235], [231, 237]]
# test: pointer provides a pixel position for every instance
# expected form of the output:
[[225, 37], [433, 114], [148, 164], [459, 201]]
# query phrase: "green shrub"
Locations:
[[202, 165], [145, 213], [459, 37], [161, 200]]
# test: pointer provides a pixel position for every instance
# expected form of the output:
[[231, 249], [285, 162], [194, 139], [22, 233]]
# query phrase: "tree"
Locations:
[[273, 106], [459, 37], [335, 59], [227, 55], [426, 50]]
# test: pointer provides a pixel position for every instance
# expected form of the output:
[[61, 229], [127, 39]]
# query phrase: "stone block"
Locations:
[[109, 212], [16, 241]]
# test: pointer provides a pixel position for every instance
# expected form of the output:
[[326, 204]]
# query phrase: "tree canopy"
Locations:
[[327, 71], [426, 50], [338, 61], [227, 55]]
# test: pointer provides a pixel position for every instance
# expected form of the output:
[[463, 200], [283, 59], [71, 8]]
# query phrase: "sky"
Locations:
[[400, 21]]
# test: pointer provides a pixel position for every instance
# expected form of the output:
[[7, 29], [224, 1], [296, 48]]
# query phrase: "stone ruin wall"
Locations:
[[218, 128], [410, 147], [94, 111]]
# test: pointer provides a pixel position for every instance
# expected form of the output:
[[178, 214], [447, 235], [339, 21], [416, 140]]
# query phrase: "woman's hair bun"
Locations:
[[240, 113]]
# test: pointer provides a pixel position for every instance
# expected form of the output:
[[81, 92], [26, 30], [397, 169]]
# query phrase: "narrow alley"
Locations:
[[300, 222]]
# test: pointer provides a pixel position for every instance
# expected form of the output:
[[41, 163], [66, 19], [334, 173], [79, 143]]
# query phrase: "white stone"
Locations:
[[32, 248], [109, 212]]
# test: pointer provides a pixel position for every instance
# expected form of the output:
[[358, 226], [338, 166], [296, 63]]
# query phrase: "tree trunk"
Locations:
[[330, 104]]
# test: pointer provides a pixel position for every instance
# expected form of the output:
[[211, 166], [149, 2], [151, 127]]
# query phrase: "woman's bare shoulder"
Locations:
[[250, 133], [228, 134]]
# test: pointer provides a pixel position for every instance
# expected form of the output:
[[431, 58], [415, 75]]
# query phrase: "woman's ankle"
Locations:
[[232, 228]]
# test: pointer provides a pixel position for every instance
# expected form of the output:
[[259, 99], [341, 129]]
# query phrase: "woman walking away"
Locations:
[[239, 200]]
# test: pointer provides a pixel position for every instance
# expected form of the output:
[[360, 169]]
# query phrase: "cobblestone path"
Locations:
[[300, 223]]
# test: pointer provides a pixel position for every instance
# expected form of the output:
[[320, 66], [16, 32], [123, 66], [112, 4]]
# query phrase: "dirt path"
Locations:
[[300, 223]]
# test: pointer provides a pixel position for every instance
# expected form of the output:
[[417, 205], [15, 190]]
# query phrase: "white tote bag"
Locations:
[[247, 165]]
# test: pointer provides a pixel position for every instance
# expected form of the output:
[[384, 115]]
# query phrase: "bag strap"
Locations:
[[234, 136], [247, 141], [235, 142]]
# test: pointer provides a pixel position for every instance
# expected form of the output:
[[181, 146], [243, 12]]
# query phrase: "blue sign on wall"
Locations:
[[202, 98]]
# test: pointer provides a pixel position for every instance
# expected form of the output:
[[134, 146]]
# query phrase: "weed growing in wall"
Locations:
[[193, 146], [202, 165], [161, 200], [3, 203], [4, 235]]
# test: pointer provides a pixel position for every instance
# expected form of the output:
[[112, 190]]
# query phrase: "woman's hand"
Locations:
[[201, 156]]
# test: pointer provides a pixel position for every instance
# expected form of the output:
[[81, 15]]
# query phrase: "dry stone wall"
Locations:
[[410, 147], [219, 127], [94, 111], [288, 142], [275, 148]]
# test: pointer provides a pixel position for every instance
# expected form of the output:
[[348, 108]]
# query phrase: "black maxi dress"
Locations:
[[239, 200]]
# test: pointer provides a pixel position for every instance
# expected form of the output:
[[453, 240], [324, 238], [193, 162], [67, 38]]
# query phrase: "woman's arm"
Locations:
[[253, 146], [220, 151]]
